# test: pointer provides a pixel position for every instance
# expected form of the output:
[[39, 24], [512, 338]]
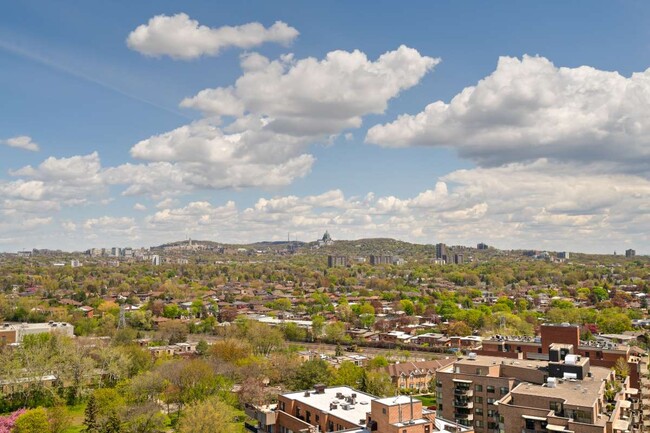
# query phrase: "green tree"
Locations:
[[202, 347], [317, 324], [91, 416], [407, 306], [335, 331], [210, 416], [622, 368], [378, 383], [310, 373], [348, 374], [32, 421], [113, 423]]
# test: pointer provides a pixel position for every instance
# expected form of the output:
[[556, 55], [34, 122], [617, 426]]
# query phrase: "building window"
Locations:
[[478, 423], [317, 418], [478, 399], [490, 401], [530, 424], [440, 407], [491, 413], [478, 388], [555, 406], [383, 410], [490, 389], [503, 390], [478, 411], [427, 429]]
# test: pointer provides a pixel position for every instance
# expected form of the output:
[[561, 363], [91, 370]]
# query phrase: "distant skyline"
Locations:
[[522, 125]]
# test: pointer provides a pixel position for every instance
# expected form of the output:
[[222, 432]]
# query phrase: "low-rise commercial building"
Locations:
[[11, 333]]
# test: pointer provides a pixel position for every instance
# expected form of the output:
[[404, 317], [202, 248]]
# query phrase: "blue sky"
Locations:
[[548, 150]]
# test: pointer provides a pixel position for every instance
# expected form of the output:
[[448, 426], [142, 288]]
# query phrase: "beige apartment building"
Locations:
[[416, 376]]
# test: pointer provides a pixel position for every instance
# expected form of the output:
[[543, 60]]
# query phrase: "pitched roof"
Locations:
[[420, 367]]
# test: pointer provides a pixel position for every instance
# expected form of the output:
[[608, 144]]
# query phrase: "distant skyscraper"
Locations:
[[381, 260], [630, 253], [562, 255], [333, 261], [481, 246], [441, 252], [459, 259], [155, 260]]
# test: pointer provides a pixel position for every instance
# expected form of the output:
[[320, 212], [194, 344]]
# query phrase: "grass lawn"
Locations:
[[427, 400], [76, 418]]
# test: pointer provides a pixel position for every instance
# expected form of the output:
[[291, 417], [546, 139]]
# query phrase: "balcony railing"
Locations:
[[464, 391]]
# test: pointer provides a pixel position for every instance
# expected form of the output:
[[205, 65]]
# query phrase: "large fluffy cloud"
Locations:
[[69, 180], [278, 109], [315, 97], [529, 108], [181, 37]]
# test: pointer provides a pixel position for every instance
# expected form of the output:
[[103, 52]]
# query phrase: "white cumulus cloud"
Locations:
[[21, 142], [528, 108], [181, 37]]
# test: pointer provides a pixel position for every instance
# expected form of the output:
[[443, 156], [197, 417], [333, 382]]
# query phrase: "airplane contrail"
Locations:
[[22, 52]]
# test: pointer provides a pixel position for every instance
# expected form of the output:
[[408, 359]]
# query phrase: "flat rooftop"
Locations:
[[580, 393], [355, 413], [33, 326], [489, 361]]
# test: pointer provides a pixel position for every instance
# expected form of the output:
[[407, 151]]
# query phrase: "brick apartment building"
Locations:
[[563, 394], [342, 408], [600, 354]]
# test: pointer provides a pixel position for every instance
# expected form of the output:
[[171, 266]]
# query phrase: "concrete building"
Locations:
[[563, 255], [381, 260], [11, 333], [441, 252], [155, 260], [630, 253], [481, 246], [334, 261], [342, 408]]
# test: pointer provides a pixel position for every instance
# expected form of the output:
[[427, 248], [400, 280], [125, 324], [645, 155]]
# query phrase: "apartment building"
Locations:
[[601, 354], [343, 408], [334, 261], [563, 394], [468, 389], [416, 376]]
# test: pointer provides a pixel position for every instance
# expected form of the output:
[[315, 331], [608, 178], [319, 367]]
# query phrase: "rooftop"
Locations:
[[353, 413], [580, 393]]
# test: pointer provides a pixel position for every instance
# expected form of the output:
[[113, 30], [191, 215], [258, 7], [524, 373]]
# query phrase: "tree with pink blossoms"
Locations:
[[7, 422]]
